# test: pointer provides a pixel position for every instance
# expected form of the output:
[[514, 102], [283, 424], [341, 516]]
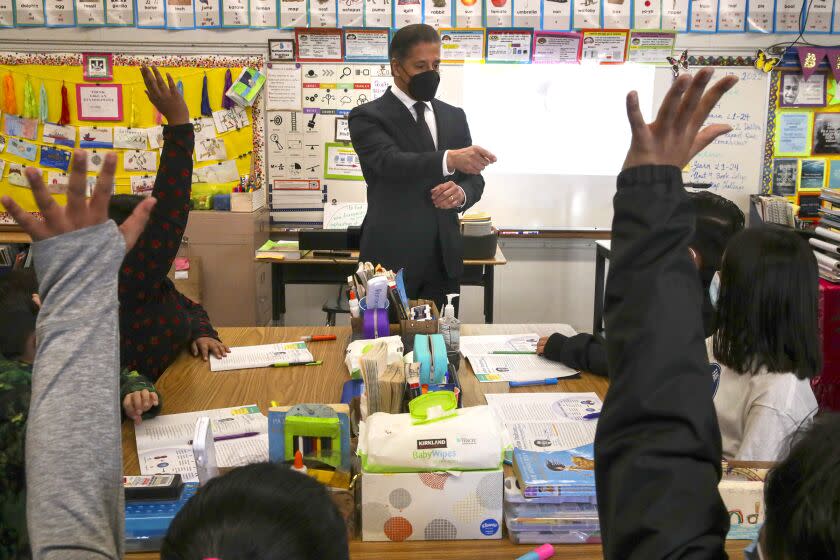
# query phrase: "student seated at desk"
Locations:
[[718, 219], [767, 346], [74, 486], [658, 446], [157, 322]]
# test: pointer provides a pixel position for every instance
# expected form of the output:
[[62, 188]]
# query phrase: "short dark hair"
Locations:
[[718, 219], [802, 496], [410, 35], [768, 305], [18, 312], [122, 205], [264, 510]]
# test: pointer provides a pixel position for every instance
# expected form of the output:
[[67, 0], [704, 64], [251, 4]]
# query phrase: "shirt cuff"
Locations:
[[446, 171], [461, 207]]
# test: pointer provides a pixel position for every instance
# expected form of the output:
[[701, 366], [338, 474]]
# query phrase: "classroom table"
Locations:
[[334, 270], [188, 385]]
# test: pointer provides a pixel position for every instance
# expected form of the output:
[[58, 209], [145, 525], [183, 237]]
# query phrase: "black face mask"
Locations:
[[423, 86]]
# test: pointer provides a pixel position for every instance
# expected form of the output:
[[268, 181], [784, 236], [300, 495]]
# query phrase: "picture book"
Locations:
[[555, 473]]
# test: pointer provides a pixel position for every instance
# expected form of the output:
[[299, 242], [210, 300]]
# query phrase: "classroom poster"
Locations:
[[819, 16], [90, 13], [378, 13], [319, 45], [675, 15], [526, 13], [366, 44], [551, 47], [733, 16], [646, 14], [351, 13], [587, 14], [264, 13], [438, 13], [99, 102], [703, 16], [785, 172], [604, 46], [793, 134], [834, 174], [556, 15], [616, 14], [469, 13], [499, 13], [7, 13], [293, 13], [760, 16], [236, 13], [180, 14], [59, 13], [461, 45], [208, 14], [509, 45], [151, 14], [811, 174], [408, 12], [323, 13], [650, 46], [787, 16], [341, 162], [29, 12], [283, 87], [119, 13]]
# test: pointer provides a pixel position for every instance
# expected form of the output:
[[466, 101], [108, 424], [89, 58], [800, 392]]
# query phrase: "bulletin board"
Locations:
[[244, 147], [804, 117]]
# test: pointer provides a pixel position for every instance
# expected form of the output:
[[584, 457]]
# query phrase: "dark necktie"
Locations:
[[423, 131]]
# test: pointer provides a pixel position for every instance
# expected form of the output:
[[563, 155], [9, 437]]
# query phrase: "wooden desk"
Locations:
[[188, 385], [13, 234], [323, 270]]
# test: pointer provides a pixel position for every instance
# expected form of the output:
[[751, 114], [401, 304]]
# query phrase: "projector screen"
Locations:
[[564, 120]]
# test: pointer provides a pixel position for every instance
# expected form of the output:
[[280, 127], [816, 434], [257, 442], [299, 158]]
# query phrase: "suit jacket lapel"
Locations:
[[442, 136], [400, 114]]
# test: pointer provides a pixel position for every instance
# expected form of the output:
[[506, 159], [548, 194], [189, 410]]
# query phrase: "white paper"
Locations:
[[140, 160], [56, 182], [204, 128], [119, 12], [99, 102], [322, 13], [819, 16], [787, 15], [95, 159], [675, 15], [526, 13], [378, 13], [7, 13], [264, 355], [283, 87], [130, 138], [208, 14], [210, 149], [59, 13], [487, 344], [180, 14], [557, 15], [501, 16], [235, 13], [460, 45], [704, 15], [163, 443], [408, 12], [16, 176], [343, 215], [489, 368], [292, 13], [588, 14], [142, 185], [29, 12], [351, 13], [364, 44], [90, 12], [319, 46], [234, 118], [264, 13], [617, 14], [439, 13], [760, 15], [224, 172], [151, 13], [733, 15], [155, 137], [546, 421], [647, 14]]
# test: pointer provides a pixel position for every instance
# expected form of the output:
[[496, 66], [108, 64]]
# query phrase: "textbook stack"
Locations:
[[827, 243], [279, 250], [552, 497]]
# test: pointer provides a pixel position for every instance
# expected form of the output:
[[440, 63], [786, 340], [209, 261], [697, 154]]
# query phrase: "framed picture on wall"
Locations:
[[97, 67], [812, 174], [826, 134], [797, 92], [784, 176], [281, 50]]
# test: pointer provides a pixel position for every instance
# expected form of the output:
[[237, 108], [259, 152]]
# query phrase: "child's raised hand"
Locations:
[[165, 96], [137, 403], [675, 137]]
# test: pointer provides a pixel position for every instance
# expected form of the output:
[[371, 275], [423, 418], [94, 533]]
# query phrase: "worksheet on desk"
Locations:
[[547, 421], [264, 355], [163, 443], [511, 357]]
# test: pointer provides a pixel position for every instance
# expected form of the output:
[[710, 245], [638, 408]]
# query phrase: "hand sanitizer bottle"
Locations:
[[450, 326]]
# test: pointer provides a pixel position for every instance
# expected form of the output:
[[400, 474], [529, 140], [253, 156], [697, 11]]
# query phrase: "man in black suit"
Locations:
[[421, 170]]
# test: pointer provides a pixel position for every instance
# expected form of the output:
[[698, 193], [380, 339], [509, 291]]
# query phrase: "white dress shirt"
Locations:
[[429, 115]]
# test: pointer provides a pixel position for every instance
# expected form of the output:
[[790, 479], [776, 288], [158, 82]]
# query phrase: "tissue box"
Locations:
[[247, 201], [742, 491], [432, 506]]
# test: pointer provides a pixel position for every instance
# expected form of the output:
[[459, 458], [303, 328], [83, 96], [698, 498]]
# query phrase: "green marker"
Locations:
[[292, 364]]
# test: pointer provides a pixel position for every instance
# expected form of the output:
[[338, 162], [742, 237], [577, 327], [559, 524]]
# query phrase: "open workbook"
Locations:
[[264, 355], [511, 358], [164, 446]]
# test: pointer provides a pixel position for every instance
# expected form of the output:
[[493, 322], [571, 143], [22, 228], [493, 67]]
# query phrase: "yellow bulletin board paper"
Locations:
[[244, 146]]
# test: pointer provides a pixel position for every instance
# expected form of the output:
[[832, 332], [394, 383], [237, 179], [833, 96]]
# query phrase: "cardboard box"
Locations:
[[247, 201], [432, 506]]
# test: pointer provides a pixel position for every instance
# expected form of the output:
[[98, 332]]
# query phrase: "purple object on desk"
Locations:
[[375, 323]]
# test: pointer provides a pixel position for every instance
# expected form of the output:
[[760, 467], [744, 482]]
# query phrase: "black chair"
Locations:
[[336, 305]]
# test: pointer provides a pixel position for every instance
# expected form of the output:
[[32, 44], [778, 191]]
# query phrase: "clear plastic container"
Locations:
[[513, 495], [561, 537]]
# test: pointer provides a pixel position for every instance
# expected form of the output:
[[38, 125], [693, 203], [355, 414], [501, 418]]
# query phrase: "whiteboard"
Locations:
[[532, 201]]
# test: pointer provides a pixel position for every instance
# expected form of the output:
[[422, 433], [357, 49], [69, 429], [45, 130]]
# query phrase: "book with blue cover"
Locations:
[[555, 473]]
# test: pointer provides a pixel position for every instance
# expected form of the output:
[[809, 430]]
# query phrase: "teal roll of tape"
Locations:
[[423, 356], [440, 361]]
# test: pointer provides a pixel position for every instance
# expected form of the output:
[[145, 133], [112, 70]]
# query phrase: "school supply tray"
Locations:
[[146, 522], [405, 328]]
